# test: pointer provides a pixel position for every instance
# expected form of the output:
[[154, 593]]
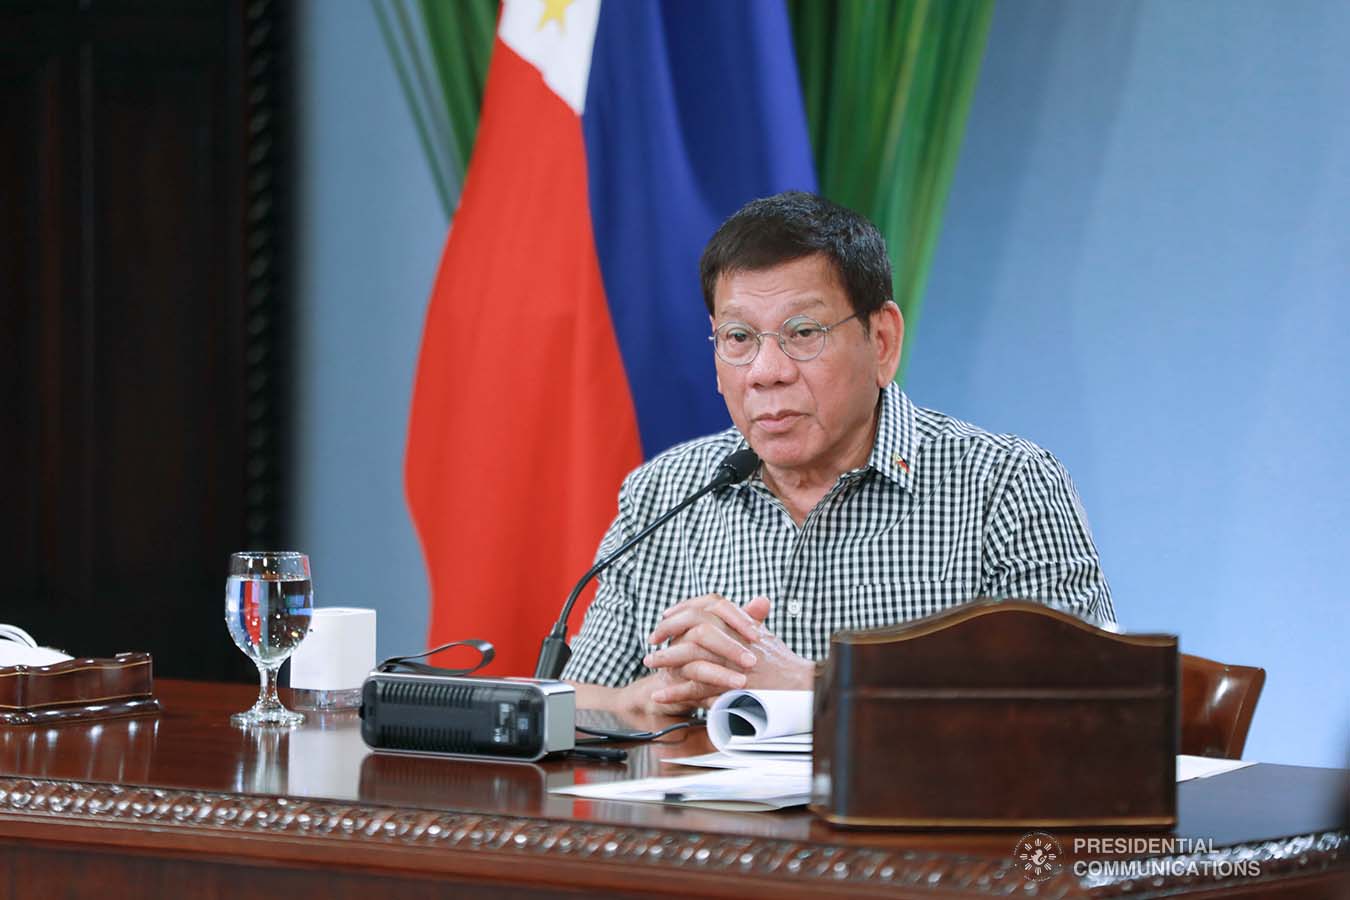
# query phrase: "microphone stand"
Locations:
[[554, 653]]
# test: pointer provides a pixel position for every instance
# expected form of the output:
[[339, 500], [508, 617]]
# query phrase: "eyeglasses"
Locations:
[[801, 338]]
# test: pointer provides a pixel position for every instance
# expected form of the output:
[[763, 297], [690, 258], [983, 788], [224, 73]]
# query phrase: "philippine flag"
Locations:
[[566, 338]]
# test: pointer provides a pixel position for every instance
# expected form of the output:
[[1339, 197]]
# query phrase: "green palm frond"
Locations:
[[887, 88], [440, 52]]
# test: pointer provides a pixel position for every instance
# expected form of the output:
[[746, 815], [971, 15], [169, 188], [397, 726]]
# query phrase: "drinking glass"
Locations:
[[268, 601]]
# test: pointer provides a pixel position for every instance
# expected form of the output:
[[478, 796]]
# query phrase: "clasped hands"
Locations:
[[715, 646]]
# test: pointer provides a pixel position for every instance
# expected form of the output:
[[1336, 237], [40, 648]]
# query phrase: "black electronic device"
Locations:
[[515, 719]]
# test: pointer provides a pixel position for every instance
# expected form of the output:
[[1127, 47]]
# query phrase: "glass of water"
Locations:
[[268, 601]]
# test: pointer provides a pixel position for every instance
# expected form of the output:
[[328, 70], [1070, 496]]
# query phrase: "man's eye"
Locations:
[[736, 335], [804, 332]]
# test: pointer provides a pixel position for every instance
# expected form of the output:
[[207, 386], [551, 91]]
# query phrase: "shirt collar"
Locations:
[[893, 453]]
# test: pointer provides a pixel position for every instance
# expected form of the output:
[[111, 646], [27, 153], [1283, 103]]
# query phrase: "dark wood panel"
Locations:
[[142, 170], [163, 369], [39, 285], [43, 872], [30, 268]]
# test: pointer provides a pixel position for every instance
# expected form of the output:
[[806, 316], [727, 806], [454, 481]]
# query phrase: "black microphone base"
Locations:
[[553, 657]]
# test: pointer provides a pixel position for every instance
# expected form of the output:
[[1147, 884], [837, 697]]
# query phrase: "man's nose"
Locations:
[[771, 365]]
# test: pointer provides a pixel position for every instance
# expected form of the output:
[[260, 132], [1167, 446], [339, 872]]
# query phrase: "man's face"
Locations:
[[813, 419]]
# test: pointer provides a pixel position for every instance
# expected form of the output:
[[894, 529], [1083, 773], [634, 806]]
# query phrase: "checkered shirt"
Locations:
[[942, 513]]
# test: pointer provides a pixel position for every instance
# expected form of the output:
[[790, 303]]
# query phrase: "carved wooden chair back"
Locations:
[[1217, 703]]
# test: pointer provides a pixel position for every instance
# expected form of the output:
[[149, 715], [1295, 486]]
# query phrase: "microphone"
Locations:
[[555, 653]]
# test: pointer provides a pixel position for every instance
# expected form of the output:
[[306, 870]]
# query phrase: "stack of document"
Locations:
[[763, 758], [760, 731], [761, 722], [725, 789]]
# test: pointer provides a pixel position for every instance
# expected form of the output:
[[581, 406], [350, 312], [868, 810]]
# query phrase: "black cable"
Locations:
[[405, 663], [605, 734], [600, 753]]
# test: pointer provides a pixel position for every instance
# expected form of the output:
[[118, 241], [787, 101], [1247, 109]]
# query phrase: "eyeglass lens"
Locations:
[[800, 337]]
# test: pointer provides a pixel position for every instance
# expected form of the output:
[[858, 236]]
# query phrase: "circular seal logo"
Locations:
[[1038, 855]]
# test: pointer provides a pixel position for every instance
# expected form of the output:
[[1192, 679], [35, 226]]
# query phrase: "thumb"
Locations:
[[758, 609]]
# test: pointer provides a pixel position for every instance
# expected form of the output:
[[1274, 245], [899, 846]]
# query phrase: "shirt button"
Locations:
[[794, 607]]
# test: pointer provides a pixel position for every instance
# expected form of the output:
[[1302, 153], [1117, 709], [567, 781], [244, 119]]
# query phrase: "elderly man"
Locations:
[[866, 510]]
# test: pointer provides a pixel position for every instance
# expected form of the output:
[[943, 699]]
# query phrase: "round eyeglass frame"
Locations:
[[778, 336]]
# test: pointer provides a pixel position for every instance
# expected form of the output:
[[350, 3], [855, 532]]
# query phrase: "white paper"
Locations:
[[13, 653], [771, 721], [774, 763], [727, 789], [787, 743], [758, 782], [1189, 767]]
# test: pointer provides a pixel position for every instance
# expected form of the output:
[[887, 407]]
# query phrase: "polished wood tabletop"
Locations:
[[205, 774]]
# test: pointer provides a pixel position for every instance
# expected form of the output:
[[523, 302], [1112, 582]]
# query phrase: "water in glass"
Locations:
[[268, 601], [267, 618]]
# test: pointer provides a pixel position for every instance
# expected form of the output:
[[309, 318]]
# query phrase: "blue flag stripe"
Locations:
[[692, 109]]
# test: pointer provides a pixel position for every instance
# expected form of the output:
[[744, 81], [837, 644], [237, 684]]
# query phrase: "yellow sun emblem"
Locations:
[[554, 11]]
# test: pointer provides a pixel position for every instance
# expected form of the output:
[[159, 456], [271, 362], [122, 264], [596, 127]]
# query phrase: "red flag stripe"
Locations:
[[522, 423]]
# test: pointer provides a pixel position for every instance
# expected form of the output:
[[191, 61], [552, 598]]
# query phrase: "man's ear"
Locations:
[[712, 326], [888, 336]]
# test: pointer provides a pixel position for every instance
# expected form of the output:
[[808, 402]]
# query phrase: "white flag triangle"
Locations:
[[556, 37]]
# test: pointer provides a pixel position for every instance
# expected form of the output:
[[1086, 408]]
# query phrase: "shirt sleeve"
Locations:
[[609, 651], [1039, 546]]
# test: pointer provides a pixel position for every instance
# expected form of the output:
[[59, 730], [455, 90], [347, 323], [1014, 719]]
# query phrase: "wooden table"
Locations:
[[187, 805]]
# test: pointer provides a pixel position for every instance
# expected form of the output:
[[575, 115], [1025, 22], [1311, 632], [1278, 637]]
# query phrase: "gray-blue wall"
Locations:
[[1144, 267], [369, 234]]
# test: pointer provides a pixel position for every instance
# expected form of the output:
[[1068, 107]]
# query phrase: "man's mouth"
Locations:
[[779, 420]]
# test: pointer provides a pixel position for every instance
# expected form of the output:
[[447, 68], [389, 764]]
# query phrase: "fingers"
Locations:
[[758, 609], [737, 619], [641, 696], [686, 693], [713, 674], [684, 615], [704, 642], [675, 626], [686, 611]]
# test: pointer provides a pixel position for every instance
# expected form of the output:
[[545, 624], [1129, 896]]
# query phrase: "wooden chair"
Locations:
[[1217, 703]]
